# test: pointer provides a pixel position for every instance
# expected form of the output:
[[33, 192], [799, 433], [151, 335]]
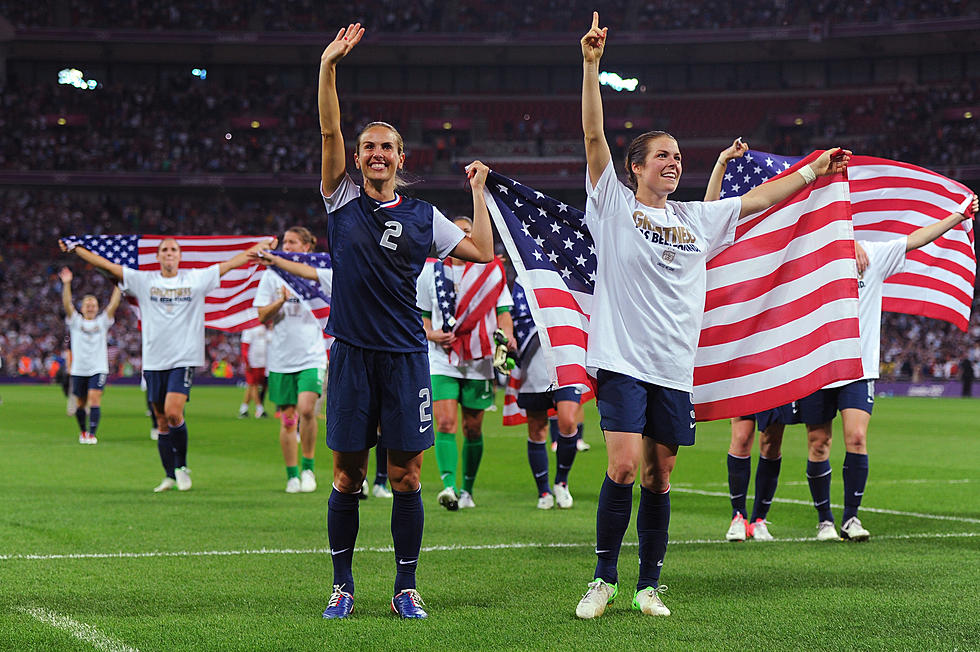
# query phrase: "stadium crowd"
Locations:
[[415, 16]]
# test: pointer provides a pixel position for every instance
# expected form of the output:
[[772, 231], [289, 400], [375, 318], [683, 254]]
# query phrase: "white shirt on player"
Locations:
[[296, 339], [89, 355], [884, 259], [649, 294], [480, 369], [172, 314], [257, 339]]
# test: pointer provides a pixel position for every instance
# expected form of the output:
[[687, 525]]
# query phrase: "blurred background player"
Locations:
[[855, 399], [462, 306], [379, 374], [536, 398], [296, 357], [171, 303], [89, 356], [255, 342]]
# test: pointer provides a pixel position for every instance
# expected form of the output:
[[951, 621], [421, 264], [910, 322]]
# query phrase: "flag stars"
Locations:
[[769, 161], [568, 243], [555, 228], [562, 207]]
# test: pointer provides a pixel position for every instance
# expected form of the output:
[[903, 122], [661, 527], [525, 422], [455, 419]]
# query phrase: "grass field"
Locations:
[[91, 559]]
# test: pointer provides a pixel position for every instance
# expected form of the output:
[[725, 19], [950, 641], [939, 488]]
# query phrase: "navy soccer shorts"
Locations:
[[368, 390], [160, 383], [823, 405], [80, 385], [544, 401], [630, 405]]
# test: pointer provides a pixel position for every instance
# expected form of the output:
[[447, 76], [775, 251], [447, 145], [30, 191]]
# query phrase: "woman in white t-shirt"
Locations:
[[171, 303], [296, 360], [646, 317], [89, 354]]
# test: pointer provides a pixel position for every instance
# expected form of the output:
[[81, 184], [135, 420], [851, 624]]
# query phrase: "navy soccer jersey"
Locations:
[[378, 250]]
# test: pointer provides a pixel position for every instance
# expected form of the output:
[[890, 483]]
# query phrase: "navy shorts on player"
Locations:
[[823, 405], [80, 385], [784, 414], [544, 401], [368, 389], [160, 383], [630, 405]]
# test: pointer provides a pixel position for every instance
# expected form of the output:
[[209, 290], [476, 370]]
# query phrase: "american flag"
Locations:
[[471, 308], [229, 306], [310, 291], [780, 312], [891, 199]]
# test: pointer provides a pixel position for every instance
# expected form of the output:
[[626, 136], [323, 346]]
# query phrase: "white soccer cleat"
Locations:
[[448, 499], [183, 478], [91, 439], [648, 601], [381, 491], [563, 499], [595, 600], [852, 530], [546, 501], [554, 447], [293, 486], [259, 412], [166, 485], [759, 530], [307, 481], [83, 438], [581, 445], [826, 531], [466, 500], [736, 531], [154, 434]]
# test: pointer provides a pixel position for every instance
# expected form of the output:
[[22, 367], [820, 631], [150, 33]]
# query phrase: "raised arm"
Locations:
[[768, 194], [597, 155], [737, 150], [243, 257], [333, 164], [94, 259], [299, 269], [478, 247], [925, 235], [65, 275], [110, 310]]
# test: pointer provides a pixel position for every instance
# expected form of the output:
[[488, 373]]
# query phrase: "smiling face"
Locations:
[[380, 154], [294, 241], [90, 307], [661, 169], [168, 255]]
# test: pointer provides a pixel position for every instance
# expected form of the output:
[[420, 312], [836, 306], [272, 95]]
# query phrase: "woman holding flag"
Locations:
[[462, 306], [296, 357], [379, 374], [171, 303], [646, 317]]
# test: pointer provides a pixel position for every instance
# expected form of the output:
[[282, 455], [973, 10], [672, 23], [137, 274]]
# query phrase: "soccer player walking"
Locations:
[[379, 375], [171, 305], [462, 306], [89, 331], [647, 310], [855, 399]]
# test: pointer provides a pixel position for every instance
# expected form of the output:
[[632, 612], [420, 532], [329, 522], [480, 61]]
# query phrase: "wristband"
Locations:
[[809, 176]]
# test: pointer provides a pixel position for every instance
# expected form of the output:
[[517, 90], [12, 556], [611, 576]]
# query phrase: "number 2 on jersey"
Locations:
[[393, 231]]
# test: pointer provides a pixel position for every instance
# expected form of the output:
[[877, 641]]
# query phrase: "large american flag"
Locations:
[[470, 311], [891, 199], [310, 291], [229, 306], [780, 312]]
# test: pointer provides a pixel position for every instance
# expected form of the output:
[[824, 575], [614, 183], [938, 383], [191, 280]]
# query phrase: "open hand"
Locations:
[[343, 43]]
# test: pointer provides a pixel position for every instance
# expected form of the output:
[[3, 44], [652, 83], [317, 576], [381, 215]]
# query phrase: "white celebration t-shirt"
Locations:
[[296, 339], [89, 355]]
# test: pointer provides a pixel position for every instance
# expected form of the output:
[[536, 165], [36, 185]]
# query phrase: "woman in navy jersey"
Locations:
[[646, 317], [379, 370]]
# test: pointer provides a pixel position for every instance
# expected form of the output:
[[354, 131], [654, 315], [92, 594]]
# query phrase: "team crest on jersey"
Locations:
[[668, 257]]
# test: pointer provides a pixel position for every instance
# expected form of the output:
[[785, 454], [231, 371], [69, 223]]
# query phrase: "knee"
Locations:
[[347, 481], [174, 418], [403, 479], [446, 424], [567, 426], [472, 432], [621, 471], [819, 447]]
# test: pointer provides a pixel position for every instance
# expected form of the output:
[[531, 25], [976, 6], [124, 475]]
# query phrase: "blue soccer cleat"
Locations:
[[341, 604], [408, 604]]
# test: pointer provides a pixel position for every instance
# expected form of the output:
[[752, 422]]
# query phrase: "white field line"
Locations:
[[82, 631], [876, 510], [451, 548], [803, 483]]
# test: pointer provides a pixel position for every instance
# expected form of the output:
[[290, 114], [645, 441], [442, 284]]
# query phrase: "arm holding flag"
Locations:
[[443, 338], [69, 244], [831, 161], [925, 235], [243, 257], [737, 150], [478, 246], [296, 268]]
